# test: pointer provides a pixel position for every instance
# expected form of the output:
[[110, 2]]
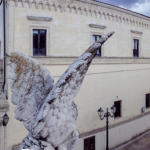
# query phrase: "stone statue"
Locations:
[[47, 110]]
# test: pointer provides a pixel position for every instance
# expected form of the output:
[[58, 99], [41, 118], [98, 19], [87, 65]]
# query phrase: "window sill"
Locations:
[[39, 56], [117, 117], [136, 57]]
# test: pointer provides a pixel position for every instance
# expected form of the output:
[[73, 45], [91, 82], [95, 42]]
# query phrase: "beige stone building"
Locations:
[[56, 32]]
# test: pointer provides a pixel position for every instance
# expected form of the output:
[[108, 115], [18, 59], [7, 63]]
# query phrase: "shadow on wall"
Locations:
[[16, 147]]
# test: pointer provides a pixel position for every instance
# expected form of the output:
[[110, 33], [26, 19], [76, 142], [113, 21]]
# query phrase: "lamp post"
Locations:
[[106, 115]]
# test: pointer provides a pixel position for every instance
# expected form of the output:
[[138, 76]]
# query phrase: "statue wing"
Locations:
[[70, 82], [30, 82], [58, 114], [49, 112]]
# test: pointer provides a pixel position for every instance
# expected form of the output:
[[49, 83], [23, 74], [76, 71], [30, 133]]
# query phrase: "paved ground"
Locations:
[[140, 143]]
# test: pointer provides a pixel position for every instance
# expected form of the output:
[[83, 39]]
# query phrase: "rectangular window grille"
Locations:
[[147, 100], [89, 143], [39, 42], [117, 104], [135, 48], [94, 39]]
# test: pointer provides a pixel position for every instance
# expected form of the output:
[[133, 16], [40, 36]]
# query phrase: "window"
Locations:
[[117, 104], [147, 100], [89, 143], [39, 42], [94, 39], [135, 48]]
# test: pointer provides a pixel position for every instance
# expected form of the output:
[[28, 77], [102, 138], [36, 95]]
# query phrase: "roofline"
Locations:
[[106, 5], [120, 7]]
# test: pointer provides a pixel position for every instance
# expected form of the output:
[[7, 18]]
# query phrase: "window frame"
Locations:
[[139, 50], [95, 41], [146, 101], [137, 47], [120, 109], [90, 138], [39, 42], [34, 27], [91, 41]]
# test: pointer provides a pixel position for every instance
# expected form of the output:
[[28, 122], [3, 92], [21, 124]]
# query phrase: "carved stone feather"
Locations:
[[47, 110]]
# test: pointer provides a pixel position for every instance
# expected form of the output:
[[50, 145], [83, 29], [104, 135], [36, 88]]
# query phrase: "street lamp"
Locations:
[[5, 119], [106, 115]]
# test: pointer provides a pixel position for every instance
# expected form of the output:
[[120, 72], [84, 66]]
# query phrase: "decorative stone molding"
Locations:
[[68, 60], [97, 26], [3, 103], [91, 8], [82, 135], [35, 18], [137, 32]]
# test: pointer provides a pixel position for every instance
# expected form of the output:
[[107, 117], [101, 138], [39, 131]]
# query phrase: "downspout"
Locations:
[[1, 2], [4, 45]]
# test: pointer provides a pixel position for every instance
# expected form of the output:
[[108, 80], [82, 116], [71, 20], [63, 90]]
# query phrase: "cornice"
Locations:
[[68, 60], [88, 8], [115, 8]]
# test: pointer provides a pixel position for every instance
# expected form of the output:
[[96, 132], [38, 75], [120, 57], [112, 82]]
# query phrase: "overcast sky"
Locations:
[[140, 6]]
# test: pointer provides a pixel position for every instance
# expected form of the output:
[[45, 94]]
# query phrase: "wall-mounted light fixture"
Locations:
[[5, 120]]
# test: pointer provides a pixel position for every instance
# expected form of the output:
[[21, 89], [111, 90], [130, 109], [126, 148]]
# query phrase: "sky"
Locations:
[[140, 6]]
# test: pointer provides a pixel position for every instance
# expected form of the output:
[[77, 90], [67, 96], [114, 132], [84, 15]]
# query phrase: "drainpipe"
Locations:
[[1, 2], [4, 43]]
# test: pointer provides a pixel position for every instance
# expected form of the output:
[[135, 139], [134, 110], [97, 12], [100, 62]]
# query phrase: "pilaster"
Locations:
[[3, 130]]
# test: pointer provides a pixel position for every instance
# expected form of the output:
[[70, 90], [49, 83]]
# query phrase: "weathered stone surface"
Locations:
[[3, 103], [48, 111], [97, 26], [137, 32], [36, 18]]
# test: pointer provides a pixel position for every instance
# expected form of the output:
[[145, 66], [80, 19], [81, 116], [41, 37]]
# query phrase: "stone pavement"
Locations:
[[140, 143]]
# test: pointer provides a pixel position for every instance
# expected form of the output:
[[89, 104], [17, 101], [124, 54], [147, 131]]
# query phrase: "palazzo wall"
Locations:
[[116, 75]]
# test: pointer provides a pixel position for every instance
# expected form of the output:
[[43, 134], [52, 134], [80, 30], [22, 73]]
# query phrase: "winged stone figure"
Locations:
[[47, 110]]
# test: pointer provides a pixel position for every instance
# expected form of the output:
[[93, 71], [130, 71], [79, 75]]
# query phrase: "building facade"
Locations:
[[56, 32]]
